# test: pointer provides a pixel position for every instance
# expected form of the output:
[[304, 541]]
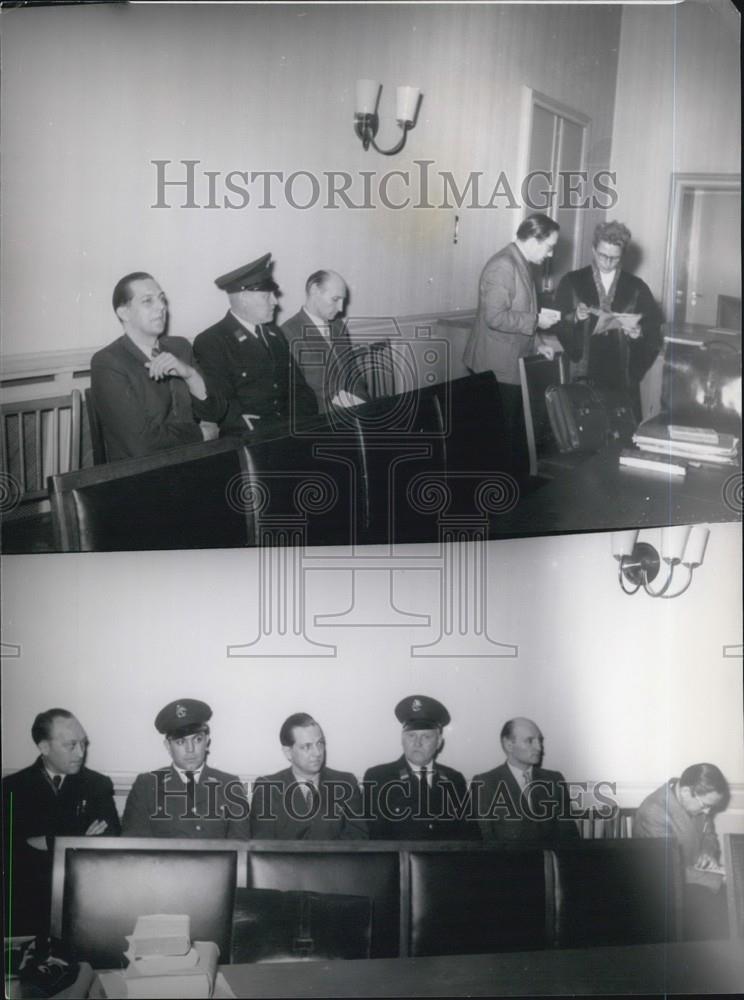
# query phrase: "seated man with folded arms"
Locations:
[[307, 800], [187, 798], [57, 796], [246, 357], [320, 344], [146, 390], [682, 811], [520, 801]]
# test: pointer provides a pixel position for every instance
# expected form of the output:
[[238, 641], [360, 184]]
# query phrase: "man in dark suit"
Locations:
[[415, 797], [188, 798], [146, 391], [56, 796], [612, 355], [307, 800], [320, 344], [520, 800], [246, 357]]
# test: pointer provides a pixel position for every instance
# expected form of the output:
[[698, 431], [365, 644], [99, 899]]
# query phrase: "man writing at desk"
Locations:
[[146, 391]]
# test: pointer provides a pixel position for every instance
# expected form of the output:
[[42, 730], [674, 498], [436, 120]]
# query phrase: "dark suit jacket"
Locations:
[[506, 814], [252, 379], [328, 367], [506, 320], [612, 360], [140, 416], [335, 816], [156, 806], [392, 792], [32, 808]]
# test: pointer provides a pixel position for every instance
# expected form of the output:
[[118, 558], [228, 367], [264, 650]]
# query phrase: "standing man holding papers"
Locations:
[[508, 325]]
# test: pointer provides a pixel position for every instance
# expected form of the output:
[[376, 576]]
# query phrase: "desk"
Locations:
[[600, 495], [698, 967]]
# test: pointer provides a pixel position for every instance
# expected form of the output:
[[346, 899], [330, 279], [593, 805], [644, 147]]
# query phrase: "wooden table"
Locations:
[[601, 495], [699, 967]]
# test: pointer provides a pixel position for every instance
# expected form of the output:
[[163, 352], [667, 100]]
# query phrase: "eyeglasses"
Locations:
[[610, 258]]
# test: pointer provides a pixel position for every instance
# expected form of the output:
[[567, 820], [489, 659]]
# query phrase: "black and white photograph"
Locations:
[[371, 499]]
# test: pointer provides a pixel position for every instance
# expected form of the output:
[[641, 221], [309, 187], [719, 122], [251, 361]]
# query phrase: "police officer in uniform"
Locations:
[[246, 358], [188, 798], [415, 797]]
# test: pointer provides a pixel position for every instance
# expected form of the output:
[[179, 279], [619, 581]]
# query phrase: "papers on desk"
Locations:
[[690, 444]]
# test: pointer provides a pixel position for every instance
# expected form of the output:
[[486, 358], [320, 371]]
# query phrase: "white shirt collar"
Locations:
[[519, 773], [250, 327], [182, 774], [322, 325]]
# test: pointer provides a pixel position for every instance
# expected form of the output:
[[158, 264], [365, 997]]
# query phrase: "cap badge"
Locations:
[[181, 712], [416, 705]]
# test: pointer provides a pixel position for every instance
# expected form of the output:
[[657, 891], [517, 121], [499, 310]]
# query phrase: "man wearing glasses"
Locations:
[[682, 811], [188, 798], [610, 326]]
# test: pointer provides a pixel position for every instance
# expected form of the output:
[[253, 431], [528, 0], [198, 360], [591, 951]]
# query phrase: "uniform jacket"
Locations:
[[397, 815], [252, 379], [505, 814], [504, 329], [139, 415], [36, 810], [662, 815], [327, 367], [156, 806], [277, 796], [611, 360]]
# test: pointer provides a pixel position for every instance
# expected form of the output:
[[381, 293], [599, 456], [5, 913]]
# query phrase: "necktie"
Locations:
[[311, 797], [262, 337], [423, 791], [190, 793], [57, 781]]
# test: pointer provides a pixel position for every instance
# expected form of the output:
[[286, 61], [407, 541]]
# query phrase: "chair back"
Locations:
[[728, 311], [97, 438], [40, 438], [480, 901], [376, 362], [617, 892], [597, 825], [274, 926], [733, 859], [375, 874], [195, 496], [104, 891], [536, 374]]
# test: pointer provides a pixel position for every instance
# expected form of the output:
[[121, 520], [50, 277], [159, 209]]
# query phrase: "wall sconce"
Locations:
[[367, 122], [639, 563]]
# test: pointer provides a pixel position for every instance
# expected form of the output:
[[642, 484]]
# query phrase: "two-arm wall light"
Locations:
[[367, 122], [639, 563]]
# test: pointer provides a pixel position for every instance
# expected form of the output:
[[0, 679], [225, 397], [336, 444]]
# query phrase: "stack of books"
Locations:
[[163, 961], [672, 448]]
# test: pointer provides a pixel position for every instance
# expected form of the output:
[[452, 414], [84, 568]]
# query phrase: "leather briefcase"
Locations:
[[701, 385], [270, 925], [577, 417]]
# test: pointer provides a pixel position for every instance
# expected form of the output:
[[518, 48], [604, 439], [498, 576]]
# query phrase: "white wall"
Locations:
[[626, 689], [677, 110], [92, 94]]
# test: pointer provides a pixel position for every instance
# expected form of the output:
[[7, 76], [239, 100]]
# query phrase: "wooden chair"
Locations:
[[97, 439], [595, 825], [378, 365], [733, 860], [38, 438]]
